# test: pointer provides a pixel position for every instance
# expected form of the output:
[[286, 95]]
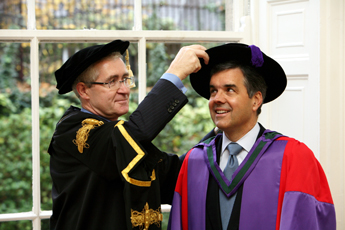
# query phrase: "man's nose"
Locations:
[[123, 88], [219, 97]]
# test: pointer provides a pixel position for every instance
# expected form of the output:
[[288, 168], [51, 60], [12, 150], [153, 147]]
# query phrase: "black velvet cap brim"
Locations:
[[271, 71], [81, 60]]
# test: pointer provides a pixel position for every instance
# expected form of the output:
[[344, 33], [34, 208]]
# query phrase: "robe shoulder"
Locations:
[[302, 171]]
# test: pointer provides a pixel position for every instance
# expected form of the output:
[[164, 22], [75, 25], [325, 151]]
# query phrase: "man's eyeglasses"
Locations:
[[127, 81]]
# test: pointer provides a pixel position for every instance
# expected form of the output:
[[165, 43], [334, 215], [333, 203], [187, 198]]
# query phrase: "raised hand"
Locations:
[[187, 61]]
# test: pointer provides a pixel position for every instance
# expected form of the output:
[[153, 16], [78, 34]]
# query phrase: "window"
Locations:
[[37, 36]]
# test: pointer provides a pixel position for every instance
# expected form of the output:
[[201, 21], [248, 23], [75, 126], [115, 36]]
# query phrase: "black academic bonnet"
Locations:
[[81, 60], [268, 68]]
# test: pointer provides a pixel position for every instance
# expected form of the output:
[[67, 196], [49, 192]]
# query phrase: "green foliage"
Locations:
[[17, 225], [16, 149], [186, 129], [8, 61], [16, 166], [158, 64], [6, 106], [154, 22], [219, 9]]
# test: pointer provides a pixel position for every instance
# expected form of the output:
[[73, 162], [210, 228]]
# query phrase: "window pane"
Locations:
[[45, 224], [160, 55], [13, 14], [183, 15], [16, 225], [193, 121], [80, 14], [15, 126]]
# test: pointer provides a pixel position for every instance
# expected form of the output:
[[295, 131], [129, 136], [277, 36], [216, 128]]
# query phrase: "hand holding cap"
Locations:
[[187, 61]]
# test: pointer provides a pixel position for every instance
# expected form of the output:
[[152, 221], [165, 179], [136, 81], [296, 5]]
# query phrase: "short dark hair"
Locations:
[[253, 81]]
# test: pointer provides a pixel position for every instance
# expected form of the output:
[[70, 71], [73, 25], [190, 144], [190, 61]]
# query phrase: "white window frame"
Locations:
[[137, 35]]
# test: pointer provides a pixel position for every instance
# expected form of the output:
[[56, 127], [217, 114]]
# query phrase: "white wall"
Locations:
[[332, 101]]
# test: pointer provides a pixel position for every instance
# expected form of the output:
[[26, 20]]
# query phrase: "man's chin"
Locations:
[[221, 125], [123, 112]]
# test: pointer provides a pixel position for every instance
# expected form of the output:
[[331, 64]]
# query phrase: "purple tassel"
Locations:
[[257, 58]]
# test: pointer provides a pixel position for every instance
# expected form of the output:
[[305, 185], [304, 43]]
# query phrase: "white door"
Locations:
[[287, 31]]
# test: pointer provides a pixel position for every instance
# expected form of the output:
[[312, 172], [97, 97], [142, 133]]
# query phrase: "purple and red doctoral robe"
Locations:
[[284, 187]]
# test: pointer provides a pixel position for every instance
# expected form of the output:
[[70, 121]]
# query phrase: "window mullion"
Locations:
[[31, 20], [34, 73], [142, 69], [138, 22], [228, 16], [238, 11]]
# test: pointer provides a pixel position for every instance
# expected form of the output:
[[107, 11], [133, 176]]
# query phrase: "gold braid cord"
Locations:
[[130, 72], [144, 219], [83, 133]]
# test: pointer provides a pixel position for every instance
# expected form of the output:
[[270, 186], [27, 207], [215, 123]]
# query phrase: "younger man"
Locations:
[[248, 177]]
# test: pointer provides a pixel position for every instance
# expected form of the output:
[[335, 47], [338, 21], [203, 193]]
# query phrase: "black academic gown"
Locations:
[[90, 190]]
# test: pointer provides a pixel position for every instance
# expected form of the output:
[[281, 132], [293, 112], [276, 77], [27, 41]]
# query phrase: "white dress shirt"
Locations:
[[247, 142]]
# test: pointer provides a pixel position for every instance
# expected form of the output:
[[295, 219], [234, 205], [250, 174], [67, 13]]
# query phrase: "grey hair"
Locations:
[[92, 73]]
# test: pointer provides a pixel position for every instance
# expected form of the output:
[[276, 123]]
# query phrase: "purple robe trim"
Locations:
[[197, 194], [299, 213], [248, 172], [214, 150], [176, 213], [266, 191], [252, 167]]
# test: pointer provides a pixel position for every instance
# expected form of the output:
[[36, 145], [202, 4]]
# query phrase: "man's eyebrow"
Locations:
[[230, 86], [116, 76], [226, 86], [111, 77]]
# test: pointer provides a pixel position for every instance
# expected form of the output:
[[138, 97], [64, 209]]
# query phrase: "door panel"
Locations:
[[287, 33]]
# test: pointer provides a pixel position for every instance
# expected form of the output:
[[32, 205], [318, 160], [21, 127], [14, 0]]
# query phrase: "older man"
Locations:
[[248, 177], [106, 173]]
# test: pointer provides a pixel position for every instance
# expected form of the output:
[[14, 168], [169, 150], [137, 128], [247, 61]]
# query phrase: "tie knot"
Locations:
[[234, 148]]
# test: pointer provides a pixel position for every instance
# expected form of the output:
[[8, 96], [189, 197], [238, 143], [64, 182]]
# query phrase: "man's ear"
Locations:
[[82, 90], [257, 100]]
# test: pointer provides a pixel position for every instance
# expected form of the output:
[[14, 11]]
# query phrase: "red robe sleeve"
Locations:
[[305, 200]]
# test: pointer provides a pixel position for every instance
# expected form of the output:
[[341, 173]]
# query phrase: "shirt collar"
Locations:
[[87, 111], [247, 141]]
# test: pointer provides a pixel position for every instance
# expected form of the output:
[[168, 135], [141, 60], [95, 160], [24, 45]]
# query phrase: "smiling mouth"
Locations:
[[221, 111], [121, 101]]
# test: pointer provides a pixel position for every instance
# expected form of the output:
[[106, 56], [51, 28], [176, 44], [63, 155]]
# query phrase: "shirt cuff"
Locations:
[[175, 80]]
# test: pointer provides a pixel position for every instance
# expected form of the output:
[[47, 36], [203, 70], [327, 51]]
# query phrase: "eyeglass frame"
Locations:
[[115, 82]]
